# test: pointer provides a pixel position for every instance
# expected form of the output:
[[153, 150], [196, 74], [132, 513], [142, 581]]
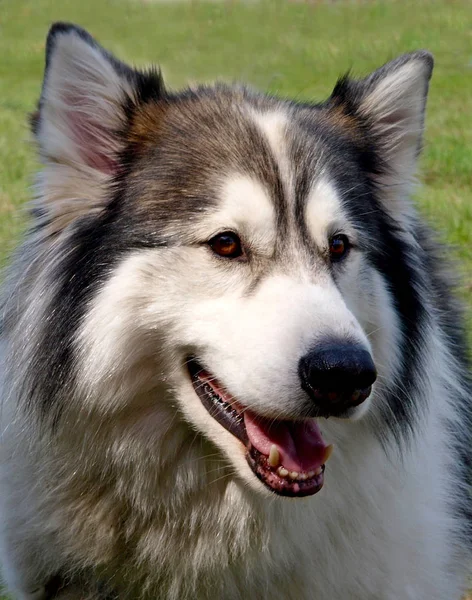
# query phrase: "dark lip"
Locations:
[[282, 486], [230, 417]]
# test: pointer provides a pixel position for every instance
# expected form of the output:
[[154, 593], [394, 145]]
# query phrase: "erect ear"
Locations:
[[87, 100], [390, 104], [84, 101]]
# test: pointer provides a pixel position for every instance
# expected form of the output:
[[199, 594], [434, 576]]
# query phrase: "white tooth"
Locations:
[[282, 472], [293, 474], [328, 451], [303, 476], [311, 474], [318, 471], [274, 456]]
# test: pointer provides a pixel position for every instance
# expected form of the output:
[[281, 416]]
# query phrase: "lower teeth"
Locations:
[[295, 475]]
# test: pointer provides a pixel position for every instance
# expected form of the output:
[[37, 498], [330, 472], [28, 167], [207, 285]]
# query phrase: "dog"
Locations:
[[232, 363]]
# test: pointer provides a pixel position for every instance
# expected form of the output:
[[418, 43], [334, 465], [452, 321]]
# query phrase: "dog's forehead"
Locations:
[[324, 209], [197, 142], [245, 204], [250, 158]]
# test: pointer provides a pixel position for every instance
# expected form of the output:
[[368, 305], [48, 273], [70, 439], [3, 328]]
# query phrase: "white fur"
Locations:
[[273, 126], [323, 211], [245, 207]]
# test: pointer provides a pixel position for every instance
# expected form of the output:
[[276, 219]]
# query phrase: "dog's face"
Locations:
[[234, 250]]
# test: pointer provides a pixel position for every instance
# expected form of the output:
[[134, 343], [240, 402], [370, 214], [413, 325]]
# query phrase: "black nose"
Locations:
[[337, 376]]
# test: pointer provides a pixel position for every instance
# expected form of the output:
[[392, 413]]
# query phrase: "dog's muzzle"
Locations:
[[337, 377]]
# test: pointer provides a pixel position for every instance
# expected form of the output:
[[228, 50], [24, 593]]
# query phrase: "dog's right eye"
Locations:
[[226, 244]]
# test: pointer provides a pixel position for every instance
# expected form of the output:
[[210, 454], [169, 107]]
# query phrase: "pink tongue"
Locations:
[[299, 443]]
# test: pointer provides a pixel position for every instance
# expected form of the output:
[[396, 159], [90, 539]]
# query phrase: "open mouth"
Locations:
[[288, 456]]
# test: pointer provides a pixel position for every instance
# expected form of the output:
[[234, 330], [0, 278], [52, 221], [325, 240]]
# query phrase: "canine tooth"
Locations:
[[311, 474], [274, 456], [328, 452], [282, 472], [293, 474], [318, 471]]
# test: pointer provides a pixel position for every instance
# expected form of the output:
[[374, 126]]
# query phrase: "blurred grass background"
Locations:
[[291, 48]]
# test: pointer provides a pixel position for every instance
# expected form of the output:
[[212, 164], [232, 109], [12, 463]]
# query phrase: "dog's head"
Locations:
[[241, 258]]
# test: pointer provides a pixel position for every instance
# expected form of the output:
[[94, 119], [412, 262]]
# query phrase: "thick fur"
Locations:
[[115, 481]]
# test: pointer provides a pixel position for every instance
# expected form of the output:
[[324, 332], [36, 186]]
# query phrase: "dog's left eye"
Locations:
[[338, 247], [226, 244]]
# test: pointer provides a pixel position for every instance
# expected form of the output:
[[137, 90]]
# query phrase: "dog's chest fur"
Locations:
[[373, 518]]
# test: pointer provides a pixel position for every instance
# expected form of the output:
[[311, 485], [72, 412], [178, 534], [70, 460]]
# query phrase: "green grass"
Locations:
[[291, 48]]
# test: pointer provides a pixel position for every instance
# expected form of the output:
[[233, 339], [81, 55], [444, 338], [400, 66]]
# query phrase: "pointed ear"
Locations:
[[85, 102], [390, 105]]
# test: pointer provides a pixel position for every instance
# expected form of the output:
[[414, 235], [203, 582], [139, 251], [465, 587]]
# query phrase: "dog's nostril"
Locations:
[[360, 395], [337, 376]]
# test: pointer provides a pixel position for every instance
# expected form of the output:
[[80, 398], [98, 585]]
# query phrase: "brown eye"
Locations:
[[226, 244], [338, 247]]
